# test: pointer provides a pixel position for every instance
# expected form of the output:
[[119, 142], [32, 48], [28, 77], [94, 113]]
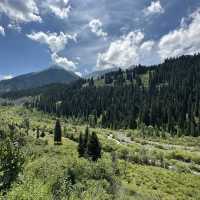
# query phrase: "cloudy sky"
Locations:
[[87, 35]]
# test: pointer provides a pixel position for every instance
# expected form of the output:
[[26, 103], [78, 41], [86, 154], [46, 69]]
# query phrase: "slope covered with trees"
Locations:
[[165, 96]]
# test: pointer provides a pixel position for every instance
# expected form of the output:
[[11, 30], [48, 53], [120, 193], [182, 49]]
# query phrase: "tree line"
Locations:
[[165, 96]]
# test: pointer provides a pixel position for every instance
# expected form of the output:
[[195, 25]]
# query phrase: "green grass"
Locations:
[[138, 177]]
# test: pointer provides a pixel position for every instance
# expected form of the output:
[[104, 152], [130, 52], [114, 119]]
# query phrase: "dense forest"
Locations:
[[165, 96]]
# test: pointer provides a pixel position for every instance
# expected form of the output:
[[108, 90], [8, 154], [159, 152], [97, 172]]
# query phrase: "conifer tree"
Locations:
[[38, 133], [26, 124], [86, 138], [57, 133], [81, 148], [94, 147], [42, 134], [12, 130]]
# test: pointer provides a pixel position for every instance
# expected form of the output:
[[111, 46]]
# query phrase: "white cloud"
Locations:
[[15, 26], [60, 8], [125, 51], [148, 53], [184, 40], [63, 62], [2, 31], [79, 74], [154, 8], [20, 11], [131, 49], [96, 27], [56, 42], [6, 77]]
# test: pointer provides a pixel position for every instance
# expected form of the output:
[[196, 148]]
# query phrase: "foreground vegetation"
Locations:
[[134, 164]]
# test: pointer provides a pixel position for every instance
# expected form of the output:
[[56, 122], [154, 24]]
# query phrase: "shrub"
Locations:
[[11, 162], [82, 177]]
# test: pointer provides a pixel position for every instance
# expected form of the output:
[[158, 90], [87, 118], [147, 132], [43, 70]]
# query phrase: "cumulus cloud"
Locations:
[[154, 8], [14, 26], [126, 51], [6, 77], [60, 8], [63, 62], [148, 53], [20, 11], [79, 74], [184, 40], [96, 27], [56, 42], [2, 31], [132, 49]]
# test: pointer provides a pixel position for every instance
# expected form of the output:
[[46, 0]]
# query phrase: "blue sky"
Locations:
[[83, 36]]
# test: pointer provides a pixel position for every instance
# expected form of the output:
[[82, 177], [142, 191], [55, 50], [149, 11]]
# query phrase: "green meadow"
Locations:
[[133, 165]]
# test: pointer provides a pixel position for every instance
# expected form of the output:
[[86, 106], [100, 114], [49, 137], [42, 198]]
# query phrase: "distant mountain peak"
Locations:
[[53, 74]]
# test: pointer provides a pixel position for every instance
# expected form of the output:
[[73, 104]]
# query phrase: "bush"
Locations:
[[180, 156], [11, 162], [83, 176], [41, 142]]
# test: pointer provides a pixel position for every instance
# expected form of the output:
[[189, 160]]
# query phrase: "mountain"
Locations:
[[51, 75], [164, 96], [99, 73]]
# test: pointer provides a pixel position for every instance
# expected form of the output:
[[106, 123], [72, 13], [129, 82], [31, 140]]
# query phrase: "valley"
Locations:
[[99, 100], [123, 135], [133, 166]]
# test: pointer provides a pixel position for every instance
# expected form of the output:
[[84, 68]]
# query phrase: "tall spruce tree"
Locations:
[[26, 124], [94, 147], [81, 148], [38, 133], [57, 133], [42, 134], [86, 138]]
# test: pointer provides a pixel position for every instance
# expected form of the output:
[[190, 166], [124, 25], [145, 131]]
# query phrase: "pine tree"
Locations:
[[26, 124], [86, 138], [42, 134], [12, 130], [38, 133], [57, 133], [81, 149], [94, 147]]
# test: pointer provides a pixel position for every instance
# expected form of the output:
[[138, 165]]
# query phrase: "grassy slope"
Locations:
[[46, 162], [100, 82]]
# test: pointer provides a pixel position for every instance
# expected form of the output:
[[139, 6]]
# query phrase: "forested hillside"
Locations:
[[165, 96]]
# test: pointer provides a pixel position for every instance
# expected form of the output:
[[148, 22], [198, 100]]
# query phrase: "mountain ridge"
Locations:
[[164, 96], [53, 74]]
